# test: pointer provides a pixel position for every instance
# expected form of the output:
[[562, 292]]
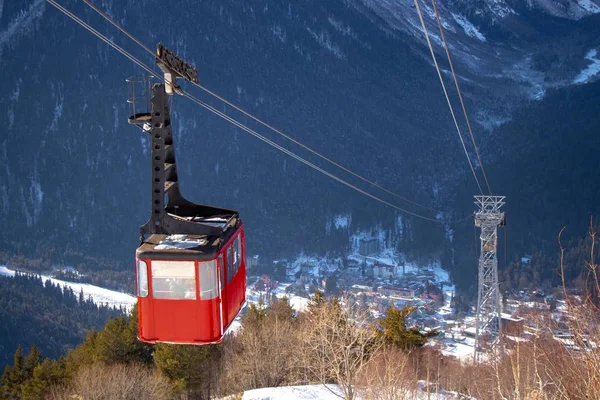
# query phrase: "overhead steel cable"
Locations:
[[279, 132], [302, 160], [260, 121], [106, 17], [239, 124], [437, 67], [462, 103], [100, 36]]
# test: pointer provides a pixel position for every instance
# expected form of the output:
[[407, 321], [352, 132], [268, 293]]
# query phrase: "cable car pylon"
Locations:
[[190, 266], [488, 321]]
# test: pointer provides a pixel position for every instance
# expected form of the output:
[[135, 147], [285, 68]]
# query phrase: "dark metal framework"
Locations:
[[488, 321], [170, 63], [178, 215]]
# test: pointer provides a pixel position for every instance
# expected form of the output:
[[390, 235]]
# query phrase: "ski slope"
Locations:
[[98, 294]]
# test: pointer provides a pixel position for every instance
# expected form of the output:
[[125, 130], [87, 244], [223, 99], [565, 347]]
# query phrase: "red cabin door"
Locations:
[[222, 293], [175, 315]]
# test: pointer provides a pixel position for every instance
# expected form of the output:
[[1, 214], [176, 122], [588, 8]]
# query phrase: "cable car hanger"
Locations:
[[178, 216]]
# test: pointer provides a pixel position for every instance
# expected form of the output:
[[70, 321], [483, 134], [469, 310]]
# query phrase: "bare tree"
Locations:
[[388, 375], [262, 354], [584, 322], [337, 345], [119, 381]]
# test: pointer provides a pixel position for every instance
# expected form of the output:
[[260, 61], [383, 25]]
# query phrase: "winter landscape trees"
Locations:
[[332, 342], [329, 343]]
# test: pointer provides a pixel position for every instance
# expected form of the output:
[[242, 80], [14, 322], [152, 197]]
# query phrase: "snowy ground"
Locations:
[[98, 294], [295, 393], [333, 392], [298, 303]]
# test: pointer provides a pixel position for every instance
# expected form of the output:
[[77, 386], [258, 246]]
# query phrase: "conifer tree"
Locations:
[[282, 309], [255, 316], [13, 377], [33, 358], [393, 330], [18, 362], [190, 368], [316, 301], [45, 375], [117, 342]]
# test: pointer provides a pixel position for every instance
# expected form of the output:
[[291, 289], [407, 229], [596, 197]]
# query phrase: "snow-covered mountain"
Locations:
[[526, 42], [352, 79]]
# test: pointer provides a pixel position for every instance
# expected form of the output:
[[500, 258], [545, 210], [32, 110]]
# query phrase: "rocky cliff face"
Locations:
[[351, 79]]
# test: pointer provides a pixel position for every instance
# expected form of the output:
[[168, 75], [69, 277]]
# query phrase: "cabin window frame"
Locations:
[[142, 279], [167, 286], [230, 266], [208, 276], [221, 263], [237, 253]]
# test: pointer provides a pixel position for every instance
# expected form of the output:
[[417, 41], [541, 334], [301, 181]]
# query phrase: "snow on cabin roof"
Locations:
[[179, 247], [180, 242], [217, 222]]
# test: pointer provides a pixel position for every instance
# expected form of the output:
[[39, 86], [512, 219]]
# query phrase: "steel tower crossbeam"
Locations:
[[488, 322]]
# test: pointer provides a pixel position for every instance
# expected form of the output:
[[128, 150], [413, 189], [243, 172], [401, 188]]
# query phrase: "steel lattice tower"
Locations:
[[488, 322]]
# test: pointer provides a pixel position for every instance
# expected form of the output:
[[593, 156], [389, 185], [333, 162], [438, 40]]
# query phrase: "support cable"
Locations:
[[260, 121], [462, 103], [418, 7], [302, 160], [106, 17], [239, 124], [101, 36]]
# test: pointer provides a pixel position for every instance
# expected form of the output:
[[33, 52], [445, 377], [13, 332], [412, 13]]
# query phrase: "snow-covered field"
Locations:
[[99, 295], [333, 392]]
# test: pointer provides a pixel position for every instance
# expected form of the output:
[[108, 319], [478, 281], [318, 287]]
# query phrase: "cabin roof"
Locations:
[[183, 247]]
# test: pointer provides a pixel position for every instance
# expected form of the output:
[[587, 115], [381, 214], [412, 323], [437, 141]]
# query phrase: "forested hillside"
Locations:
[[55, 319]]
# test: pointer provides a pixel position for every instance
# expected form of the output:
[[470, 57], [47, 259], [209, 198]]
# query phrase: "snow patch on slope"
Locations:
[[589, 6], [325, 41], [342, 221], [591, 70], [99, 295], [500, 8], [572, 9], [22, 23], [468, 27], [279, 33]]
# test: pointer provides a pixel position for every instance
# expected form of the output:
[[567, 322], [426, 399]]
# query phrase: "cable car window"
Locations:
[[173, 280], [142, 279], [222, 270], [230, 271], [209, 286], [237, 254]]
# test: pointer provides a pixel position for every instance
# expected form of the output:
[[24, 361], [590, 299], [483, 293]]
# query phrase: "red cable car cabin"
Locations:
[[190, 267], [190, 287]]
